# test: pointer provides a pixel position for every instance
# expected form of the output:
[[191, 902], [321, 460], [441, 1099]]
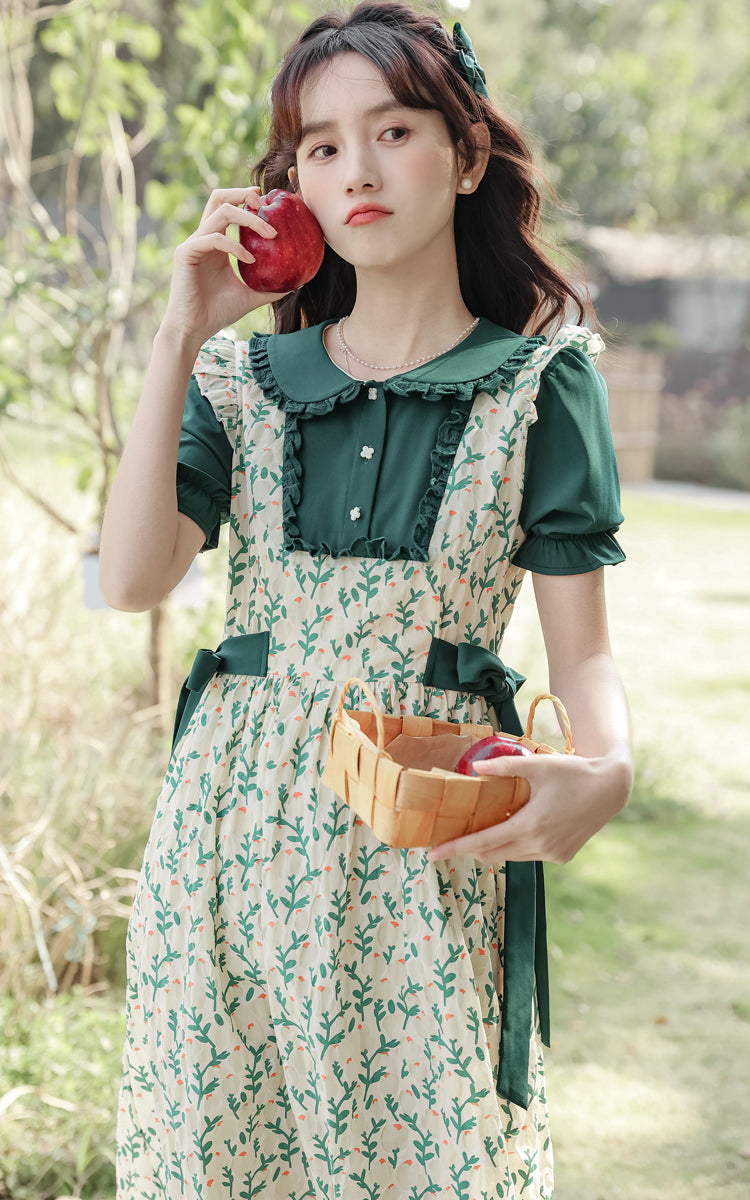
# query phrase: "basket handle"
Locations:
[[354, 682], [563, 717]]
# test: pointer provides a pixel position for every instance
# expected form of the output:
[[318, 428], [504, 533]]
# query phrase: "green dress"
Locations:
[[313, 1015]]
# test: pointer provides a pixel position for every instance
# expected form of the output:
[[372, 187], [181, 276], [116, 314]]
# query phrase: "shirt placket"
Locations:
[[366, 459]]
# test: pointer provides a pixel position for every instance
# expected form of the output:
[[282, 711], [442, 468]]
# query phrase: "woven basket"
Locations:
[[409, 807]]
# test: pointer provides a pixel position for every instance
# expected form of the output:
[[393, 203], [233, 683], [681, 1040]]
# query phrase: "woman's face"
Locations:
[[380, 178]]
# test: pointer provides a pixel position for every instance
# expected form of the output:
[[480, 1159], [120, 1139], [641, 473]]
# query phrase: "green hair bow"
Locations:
[[466, 61]]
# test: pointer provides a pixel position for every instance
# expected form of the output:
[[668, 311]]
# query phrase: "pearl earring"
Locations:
[[467, 183]]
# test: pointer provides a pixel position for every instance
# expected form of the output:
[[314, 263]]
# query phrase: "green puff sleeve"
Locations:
[[571, 502], [204, 467]]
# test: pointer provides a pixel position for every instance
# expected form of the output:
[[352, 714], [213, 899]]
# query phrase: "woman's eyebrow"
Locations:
[[377, 110]]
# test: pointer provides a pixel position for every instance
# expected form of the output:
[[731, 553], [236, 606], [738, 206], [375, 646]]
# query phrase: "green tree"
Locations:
[[86, 238], [639, 108], [85, 267]]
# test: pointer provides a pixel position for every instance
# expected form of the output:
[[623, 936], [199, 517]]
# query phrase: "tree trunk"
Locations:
[[158, 664]]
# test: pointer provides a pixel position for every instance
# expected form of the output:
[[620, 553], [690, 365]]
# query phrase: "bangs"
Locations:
[[417, 76]]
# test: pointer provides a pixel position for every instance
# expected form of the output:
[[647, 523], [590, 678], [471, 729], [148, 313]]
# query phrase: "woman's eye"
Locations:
[[322, 152], [396, 133]]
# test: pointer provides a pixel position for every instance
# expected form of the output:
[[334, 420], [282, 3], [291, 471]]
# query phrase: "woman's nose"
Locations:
[[360, 173]]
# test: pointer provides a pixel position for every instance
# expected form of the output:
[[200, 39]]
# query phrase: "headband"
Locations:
[[466, 63]]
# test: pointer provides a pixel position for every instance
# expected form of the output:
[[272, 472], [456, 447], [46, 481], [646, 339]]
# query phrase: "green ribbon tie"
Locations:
[[474, 669], [469, 668], [246, 654]]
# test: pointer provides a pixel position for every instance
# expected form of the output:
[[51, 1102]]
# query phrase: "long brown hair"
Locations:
[[503, 273]]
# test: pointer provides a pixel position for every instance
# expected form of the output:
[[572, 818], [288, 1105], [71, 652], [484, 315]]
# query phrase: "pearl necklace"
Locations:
[[414, 362]]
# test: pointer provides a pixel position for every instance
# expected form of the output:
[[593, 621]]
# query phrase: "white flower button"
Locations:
[[367, 452], [354, 514], [372, 393]]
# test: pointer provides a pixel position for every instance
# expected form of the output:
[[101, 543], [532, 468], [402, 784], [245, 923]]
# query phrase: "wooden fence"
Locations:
[[634, 381]]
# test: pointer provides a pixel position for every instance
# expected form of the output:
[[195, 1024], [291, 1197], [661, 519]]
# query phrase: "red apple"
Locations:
[[496, 746], [285, 262]]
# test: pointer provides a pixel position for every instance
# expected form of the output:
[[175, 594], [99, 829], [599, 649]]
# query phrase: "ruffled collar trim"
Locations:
[[295, 372]]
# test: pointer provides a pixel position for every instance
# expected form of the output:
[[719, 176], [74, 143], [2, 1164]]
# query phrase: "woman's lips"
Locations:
[[364, 218]]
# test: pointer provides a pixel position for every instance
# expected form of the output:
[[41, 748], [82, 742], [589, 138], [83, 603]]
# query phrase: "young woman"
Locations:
[[313, 1014]]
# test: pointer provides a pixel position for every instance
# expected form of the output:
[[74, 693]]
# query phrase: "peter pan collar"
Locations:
[[294, 370]]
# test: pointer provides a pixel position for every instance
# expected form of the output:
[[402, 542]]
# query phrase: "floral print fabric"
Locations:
[[311, 1014]]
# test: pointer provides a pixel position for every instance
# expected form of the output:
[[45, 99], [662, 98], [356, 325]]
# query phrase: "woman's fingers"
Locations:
[[528, 766], [520, 838], [237, 196], [203, 243], [229, 214], [494, 847], [225, 207]]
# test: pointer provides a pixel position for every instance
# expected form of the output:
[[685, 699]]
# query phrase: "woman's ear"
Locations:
[[292, 177], [469, 178]]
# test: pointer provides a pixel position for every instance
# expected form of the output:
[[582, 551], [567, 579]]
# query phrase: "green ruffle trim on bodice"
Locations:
[[442, 455]]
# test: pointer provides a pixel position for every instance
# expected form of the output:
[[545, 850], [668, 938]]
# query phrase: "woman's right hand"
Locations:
[[206, 292]]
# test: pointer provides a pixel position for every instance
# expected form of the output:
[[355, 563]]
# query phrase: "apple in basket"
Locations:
[[285, 262], [496, 746]]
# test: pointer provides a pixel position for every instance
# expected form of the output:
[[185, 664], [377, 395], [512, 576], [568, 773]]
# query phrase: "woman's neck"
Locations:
[[394, 322]]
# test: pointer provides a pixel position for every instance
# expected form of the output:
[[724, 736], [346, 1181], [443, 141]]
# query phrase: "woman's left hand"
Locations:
[[571, 799]]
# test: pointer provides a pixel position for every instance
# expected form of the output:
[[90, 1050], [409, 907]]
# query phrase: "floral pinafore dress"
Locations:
[[311, 1014]]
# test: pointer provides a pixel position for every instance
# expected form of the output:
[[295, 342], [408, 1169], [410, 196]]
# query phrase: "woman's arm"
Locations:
[[572, 796], [146, 544], [573, 615]]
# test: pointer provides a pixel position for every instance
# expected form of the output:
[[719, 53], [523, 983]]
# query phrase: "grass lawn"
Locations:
[[648, 930], [648, 934]]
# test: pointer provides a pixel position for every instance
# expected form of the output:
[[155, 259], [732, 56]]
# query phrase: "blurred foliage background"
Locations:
[[639, 108], [116, 120]]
